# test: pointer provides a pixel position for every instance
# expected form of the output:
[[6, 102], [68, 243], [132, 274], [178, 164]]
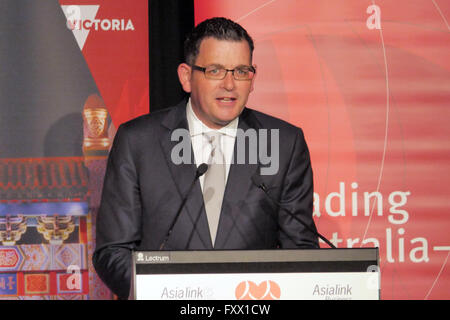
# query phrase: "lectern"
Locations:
[[291, 274]]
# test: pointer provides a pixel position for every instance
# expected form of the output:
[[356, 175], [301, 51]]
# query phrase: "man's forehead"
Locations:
[[214, 50], [222, 41]]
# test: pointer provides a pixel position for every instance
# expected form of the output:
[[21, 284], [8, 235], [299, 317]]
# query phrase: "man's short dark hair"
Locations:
[[217, 28]]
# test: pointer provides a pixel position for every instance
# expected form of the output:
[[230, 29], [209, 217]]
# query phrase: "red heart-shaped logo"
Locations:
[[266, 290]]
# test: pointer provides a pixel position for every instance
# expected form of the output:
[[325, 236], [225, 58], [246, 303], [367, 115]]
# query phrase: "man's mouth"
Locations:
[[226, 99]]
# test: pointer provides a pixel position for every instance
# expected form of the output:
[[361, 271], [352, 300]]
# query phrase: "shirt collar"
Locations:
[[197, 127]]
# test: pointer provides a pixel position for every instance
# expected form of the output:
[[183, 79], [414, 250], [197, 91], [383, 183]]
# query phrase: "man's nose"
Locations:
[[228, 82]]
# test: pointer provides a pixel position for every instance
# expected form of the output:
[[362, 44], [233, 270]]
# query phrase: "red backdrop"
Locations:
[[117, 57], [369, 82]]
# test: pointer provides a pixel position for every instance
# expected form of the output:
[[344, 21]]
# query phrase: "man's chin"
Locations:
[[223, 121], [226, 117]]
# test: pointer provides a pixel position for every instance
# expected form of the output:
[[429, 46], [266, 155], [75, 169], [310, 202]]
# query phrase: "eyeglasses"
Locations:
[[219, 73]]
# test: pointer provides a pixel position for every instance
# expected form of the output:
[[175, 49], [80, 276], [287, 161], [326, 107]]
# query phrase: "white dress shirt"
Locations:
[[201, 145]]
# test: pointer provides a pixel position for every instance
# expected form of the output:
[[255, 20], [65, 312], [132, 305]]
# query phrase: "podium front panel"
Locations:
[[257, 274]]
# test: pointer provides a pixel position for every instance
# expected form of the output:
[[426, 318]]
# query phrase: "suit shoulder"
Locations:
[[147, 121]]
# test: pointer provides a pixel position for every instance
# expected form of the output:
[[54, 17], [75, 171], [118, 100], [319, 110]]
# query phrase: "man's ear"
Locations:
[[184, 76]]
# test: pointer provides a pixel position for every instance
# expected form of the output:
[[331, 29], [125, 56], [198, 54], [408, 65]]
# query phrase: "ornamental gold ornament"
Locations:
[[55, 229], [12, 228], [95, 117]]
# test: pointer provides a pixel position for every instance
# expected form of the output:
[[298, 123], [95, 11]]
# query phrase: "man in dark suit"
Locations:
[[146, 180]]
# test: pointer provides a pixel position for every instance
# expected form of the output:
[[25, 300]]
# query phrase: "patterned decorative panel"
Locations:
[[37, 283]]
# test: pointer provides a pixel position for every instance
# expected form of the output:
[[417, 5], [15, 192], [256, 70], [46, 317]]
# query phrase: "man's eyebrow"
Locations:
[[221, 66], [243, 66], [215, 65]]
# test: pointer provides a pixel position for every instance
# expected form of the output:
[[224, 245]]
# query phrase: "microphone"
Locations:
[[200, 171], [257, 181]]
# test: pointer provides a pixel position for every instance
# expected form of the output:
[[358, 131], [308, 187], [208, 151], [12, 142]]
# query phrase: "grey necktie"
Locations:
[[214, 183]]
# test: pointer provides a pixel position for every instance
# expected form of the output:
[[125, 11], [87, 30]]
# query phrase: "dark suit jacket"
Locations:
[[143, 189]]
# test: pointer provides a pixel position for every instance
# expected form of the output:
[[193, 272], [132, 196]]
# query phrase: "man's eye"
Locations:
[[242, 71], [213, 71]]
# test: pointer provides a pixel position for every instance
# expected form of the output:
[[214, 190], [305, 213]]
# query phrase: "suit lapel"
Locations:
[[183, 174], [238, 183]]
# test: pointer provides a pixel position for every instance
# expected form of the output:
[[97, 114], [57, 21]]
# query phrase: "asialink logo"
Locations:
[[331, 292]]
